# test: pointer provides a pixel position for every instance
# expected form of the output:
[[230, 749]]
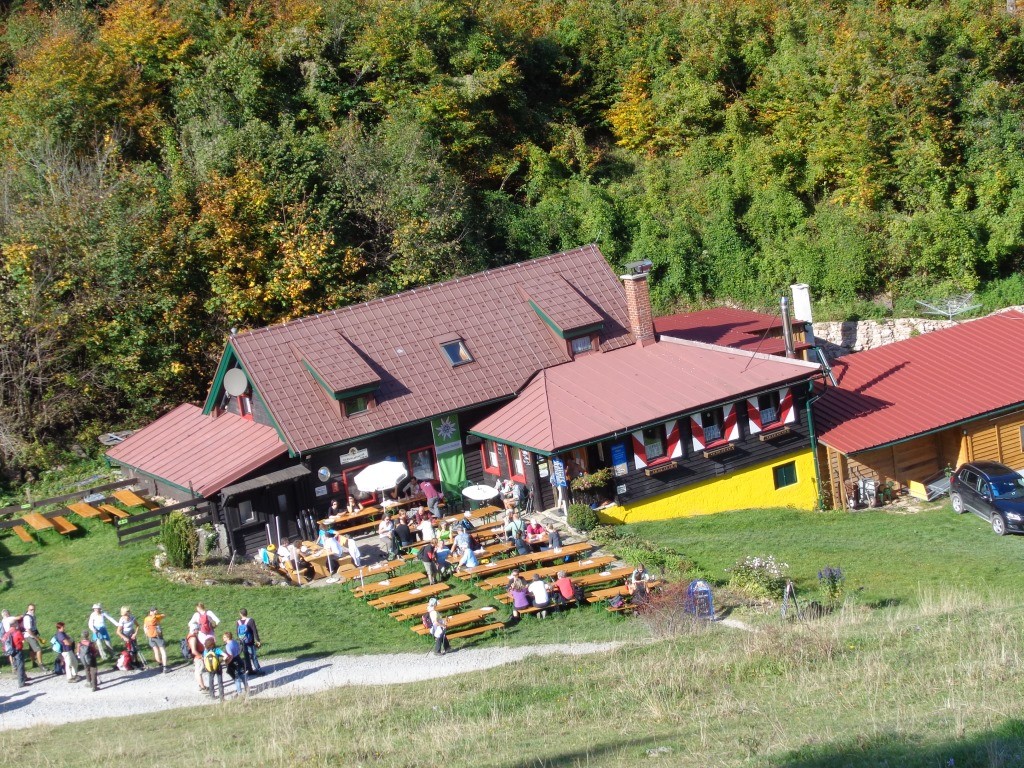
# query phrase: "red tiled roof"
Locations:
[[739, 328], [188, 449], [397, 337], [925, 383], [603, 394]]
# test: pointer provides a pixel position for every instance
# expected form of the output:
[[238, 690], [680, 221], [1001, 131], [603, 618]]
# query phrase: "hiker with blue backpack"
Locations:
[[249, 637]]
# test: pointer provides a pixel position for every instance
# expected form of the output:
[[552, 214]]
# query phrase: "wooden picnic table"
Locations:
[[476, 514], [389, 585], [132, 499], [443, 604], [591, 580], [381, 568], [37, 521], [532, 558], [409, 596], [83, 509], [500, 582], [461, 619], [345, 517], [360, 529]]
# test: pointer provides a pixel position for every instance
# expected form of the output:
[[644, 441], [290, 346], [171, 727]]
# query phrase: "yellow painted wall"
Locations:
[[741, 489]]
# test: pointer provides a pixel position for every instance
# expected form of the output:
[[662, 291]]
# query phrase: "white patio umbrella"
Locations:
[[480, 492], [380, 476]]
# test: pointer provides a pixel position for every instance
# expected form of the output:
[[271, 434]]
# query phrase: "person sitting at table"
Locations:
[[443, 550], [566, 590], [403, 535], [534, 535], [514, 530], [334, 511], [353, 505], [386, 531], [520, 596], [291, 554], [443, 531], [335, 551], [539, 595], [637, 584], [411, 489], [426, 528], [554, 537], [466, 523], [464, 548]]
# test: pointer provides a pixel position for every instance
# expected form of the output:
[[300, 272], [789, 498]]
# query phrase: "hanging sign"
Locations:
[[619, 465], [558, 476]]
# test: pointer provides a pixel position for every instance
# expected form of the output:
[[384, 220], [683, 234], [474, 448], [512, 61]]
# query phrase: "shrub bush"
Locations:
[[180, 540], [759, 576], [633, 549], [831, 581], [581, 517]]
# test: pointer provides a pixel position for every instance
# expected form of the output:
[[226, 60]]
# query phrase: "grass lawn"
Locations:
[[64, 577], [928, 686], [890, 557]]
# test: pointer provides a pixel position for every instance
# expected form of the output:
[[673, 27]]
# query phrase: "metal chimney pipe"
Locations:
[[787, 328]]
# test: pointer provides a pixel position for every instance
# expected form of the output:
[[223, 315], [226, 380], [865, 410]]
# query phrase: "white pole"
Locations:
[[277, 521], [269, 540]]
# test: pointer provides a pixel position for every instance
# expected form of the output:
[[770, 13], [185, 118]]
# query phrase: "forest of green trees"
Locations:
[[172, 169]]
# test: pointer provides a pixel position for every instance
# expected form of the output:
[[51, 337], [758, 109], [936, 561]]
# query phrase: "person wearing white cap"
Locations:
[[438, 628], [98, 629]]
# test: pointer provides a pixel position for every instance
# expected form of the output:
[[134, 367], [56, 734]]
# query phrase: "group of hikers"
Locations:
[[22, 642]]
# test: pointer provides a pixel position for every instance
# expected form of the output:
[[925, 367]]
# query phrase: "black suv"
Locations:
[[992, 491]]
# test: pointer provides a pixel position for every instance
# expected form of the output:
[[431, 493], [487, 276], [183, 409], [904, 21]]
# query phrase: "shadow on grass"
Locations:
[[588, 755], [888, 602], [281, 681], [1002, 746]]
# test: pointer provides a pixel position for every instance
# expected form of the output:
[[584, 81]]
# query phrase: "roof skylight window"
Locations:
[[456, 352]]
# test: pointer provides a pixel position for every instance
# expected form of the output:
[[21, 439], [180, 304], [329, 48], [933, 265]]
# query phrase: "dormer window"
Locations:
[[358, 404], [581, 345], [456, 353]]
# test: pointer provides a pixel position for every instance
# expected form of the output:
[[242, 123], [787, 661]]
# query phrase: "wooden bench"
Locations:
[[63, 525], [410, 596], [477, 630], [37, 521], [113, 513], [416, 611], [597, 595], [82, 509], [500, 582], [389, 585], [22, 533], [458, 619]]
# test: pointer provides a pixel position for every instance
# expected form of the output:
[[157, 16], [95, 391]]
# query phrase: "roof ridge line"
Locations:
[[427, 287], [736, 351]]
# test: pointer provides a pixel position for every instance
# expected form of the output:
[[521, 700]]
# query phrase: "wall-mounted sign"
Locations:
[[353, 456], [620, 489], [542, 467], [527, 458], [619, 465], [321, 490]]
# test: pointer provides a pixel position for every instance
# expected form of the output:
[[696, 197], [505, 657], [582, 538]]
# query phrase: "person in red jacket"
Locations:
[[14, 645], [566, 589]]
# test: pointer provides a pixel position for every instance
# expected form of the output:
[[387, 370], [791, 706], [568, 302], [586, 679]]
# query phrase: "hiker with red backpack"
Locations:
[[14, 644], [207, 622]]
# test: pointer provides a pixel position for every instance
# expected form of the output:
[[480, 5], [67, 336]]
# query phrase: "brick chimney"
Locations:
[[638, 306]]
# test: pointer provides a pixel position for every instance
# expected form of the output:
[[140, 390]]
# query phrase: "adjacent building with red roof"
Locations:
[[903, 412]]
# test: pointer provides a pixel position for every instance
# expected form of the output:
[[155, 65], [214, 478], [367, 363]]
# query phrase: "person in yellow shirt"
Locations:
[[155, 634]]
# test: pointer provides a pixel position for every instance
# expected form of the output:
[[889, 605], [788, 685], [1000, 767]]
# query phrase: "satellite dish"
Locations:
[[324, 474], [235, 382]]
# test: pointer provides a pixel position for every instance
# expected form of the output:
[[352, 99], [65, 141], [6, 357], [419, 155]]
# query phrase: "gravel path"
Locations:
[[50, 700]]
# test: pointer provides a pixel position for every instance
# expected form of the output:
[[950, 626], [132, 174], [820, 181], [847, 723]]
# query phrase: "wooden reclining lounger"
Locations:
[[63, 525], [112, 513]]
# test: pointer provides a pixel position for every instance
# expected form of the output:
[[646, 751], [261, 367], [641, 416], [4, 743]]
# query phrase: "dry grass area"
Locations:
[[934, 685]]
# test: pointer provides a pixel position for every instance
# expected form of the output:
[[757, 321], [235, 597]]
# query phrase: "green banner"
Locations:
[[448, 447]]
